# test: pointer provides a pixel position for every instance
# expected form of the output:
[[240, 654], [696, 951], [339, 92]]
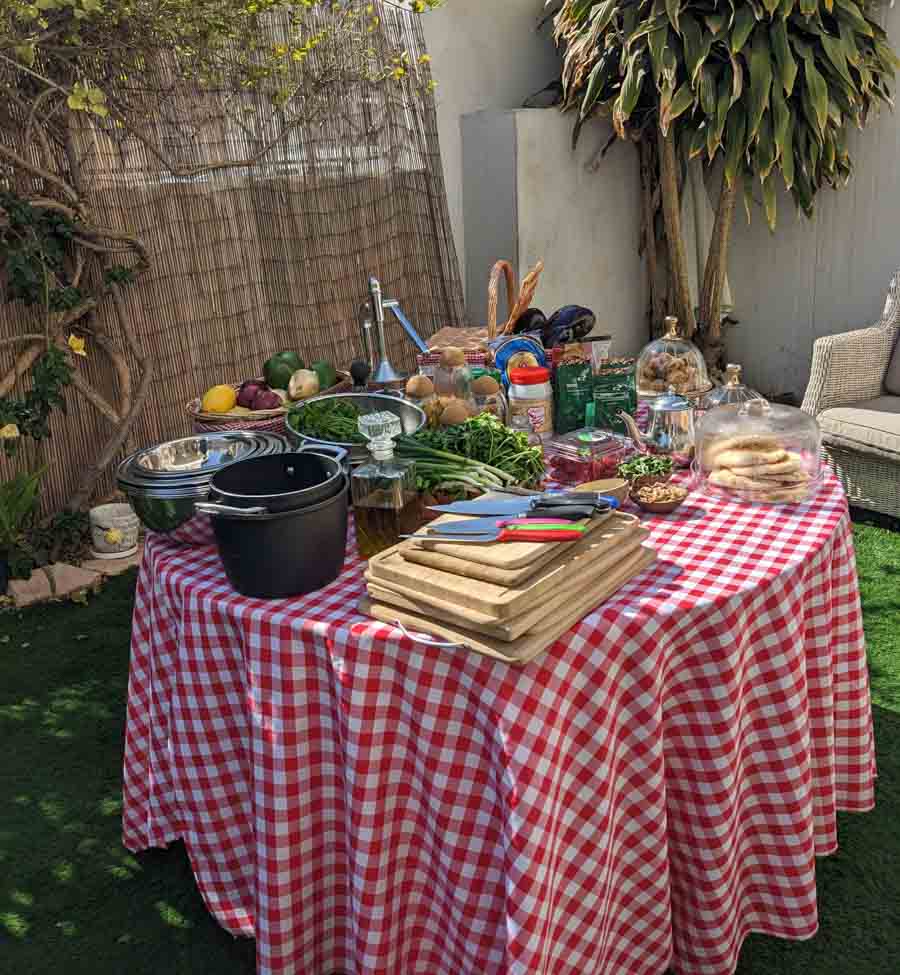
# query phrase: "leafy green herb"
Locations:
[[647, 465], [334, 420], [481, 453]]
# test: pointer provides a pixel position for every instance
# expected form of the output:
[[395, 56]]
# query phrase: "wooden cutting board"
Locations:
[[529, 617], [495, 602], [503, 555], [562, 615]]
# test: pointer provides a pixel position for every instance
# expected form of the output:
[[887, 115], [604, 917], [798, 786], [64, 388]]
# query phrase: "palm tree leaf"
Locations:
[[787, 154], [808, 7], [764, 155], [656, 42], [848, 42], [697, 44], [698, 142], [786, 8], [784, 59], [681, 101], [818, 93], [737, 78], [735, 141], [744, 22], [596, 83], [673, 9], [771, 6], [630, 93], [748, 195], [850, 13], [781, 117], [707, 90], [768, 190], [760, 80], [715, 22]]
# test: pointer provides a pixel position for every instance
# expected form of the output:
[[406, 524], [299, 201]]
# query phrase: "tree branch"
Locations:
[[24, 362], [39, 173], [668, 179], [94, 398]]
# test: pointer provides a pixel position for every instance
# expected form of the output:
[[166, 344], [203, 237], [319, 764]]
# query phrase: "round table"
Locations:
[[646, 793]]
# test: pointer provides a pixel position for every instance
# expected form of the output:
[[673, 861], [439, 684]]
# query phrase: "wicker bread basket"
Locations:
[[518, 300]]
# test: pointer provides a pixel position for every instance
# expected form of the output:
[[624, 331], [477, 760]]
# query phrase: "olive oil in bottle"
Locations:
[[385, 503]]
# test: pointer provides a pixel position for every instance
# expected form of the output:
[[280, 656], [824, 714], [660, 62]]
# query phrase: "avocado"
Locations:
[[279, 369], [326, 373]]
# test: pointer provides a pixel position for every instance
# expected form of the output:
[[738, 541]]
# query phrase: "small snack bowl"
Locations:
[[659, 499], [614, 487]]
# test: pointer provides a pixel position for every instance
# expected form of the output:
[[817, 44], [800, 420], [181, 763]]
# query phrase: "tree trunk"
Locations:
[[714, 276], [668, 180]]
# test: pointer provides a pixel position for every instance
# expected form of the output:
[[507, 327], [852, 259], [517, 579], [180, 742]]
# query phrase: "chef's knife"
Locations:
[[478, 526], [551, 505]]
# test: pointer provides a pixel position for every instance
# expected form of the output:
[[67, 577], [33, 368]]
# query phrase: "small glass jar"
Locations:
[[489, 397], [531, 395], [587, 455], [521, 424], [453, 377]]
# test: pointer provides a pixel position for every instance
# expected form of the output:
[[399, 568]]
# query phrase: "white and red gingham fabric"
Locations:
[[650, 790]]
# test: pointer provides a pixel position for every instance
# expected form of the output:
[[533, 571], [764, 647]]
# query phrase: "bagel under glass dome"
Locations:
[[671, 361], [758, 452]]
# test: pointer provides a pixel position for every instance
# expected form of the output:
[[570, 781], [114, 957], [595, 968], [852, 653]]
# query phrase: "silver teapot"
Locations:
[[671, 431]]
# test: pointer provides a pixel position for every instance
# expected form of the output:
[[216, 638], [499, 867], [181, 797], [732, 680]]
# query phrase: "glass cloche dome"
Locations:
[[758, 452], [732, 393], [671, 361]]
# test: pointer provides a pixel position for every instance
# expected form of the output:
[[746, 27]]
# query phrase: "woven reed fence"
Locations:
[[246, 262]]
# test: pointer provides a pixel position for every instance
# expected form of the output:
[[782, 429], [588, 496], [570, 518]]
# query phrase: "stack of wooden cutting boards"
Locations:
[[509, 600]]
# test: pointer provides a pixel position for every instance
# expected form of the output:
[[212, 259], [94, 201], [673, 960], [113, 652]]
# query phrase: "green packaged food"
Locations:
[[615, 391], [573, 386]]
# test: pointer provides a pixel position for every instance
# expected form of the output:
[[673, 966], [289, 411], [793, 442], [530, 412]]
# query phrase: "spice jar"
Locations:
[[453, 377], [488, 397], [531, 395]]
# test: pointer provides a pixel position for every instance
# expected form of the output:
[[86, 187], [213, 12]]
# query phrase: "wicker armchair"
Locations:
[[860, 421]]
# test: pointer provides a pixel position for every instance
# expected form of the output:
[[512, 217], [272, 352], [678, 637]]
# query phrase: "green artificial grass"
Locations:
[[73, 901]]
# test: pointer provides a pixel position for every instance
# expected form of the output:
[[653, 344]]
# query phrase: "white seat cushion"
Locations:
[[872, 426]]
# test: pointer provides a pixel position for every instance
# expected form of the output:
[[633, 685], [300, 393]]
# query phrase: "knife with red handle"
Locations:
[[511, 530]]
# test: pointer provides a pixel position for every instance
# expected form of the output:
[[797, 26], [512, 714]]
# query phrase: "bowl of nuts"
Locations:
[[659, 499]]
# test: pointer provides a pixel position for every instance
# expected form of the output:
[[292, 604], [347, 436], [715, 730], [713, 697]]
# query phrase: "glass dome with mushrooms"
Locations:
[[671, 363]]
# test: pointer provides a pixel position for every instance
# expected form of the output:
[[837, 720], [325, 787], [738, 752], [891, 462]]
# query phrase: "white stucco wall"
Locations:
[[485, 54], [528, 197]]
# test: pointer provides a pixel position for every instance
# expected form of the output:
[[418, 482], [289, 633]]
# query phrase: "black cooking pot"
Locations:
[[275, 554], [281, 482]]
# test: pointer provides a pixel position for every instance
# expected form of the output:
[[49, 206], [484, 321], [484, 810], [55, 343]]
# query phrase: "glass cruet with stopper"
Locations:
[[385, 503]]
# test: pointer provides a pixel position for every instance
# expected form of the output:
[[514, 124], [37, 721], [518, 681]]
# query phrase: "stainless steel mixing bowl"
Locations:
[[412, 418]]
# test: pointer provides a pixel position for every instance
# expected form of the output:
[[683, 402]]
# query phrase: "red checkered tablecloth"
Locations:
[[650, 790]]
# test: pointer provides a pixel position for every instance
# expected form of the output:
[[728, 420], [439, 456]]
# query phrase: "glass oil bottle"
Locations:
[[385, 502]]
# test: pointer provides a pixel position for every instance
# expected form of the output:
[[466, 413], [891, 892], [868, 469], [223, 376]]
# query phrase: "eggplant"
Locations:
[[531, 320], [569, 324]]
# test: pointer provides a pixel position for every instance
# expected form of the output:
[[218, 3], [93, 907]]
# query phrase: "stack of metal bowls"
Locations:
[[164, 483]]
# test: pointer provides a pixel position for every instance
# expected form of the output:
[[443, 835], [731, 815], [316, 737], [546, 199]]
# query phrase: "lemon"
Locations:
[[219, 399]]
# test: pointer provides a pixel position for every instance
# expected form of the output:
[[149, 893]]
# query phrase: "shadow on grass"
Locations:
[[72, 899], [858, 887]]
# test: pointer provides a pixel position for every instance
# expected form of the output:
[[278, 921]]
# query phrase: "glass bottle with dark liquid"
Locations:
[[385, 502]]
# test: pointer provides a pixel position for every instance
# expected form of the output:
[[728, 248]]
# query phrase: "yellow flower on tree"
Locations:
[[9, 432], [77, 345]]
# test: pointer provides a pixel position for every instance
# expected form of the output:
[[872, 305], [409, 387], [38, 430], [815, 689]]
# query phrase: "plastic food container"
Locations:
[[531, 394], [758, 452], [586, 455]]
